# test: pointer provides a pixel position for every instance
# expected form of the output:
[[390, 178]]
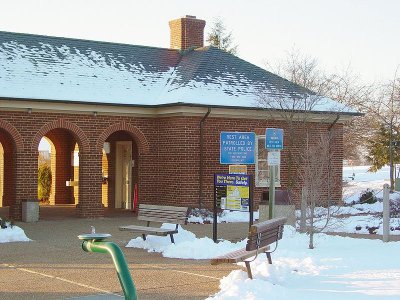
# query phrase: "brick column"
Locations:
[[90, 179], [25, 180], [7, 175], [64, 145]]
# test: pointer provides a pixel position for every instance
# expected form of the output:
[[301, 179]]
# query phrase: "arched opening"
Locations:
[[120, 165], [104, 171], [59, 150], [46, 169], [7, 169]]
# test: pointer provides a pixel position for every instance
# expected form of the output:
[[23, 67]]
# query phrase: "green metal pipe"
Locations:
[[118, 258]]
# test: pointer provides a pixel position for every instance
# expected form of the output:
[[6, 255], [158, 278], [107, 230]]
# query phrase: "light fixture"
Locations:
[[95, 113], [29, 110], [106, 147]]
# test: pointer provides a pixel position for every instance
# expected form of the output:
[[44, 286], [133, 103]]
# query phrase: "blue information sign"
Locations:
[[274, 138], [237, 148]]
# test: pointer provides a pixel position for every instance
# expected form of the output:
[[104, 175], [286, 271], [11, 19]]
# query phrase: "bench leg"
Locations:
[[144, 237], [172, 238], [247, 263], [269, 257]]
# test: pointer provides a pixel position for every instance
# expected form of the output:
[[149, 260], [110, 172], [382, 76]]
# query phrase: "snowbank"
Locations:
[[186, 245], [13, 234]]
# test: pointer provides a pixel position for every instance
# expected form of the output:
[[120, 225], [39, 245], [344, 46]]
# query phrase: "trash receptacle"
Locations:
[[30, 211]]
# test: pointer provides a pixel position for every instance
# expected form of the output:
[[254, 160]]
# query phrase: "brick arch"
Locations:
[[83, 141], [138, 136], [15, 135]]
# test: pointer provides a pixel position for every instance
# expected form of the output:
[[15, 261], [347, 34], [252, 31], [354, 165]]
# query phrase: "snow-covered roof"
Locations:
[[61, 69]]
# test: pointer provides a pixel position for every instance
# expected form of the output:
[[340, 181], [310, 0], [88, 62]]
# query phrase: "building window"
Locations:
[[262, 168]]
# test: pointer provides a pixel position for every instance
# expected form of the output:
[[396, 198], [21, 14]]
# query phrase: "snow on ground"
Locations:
[[358, 179], [186, 245], [13, 234], [338, 268]]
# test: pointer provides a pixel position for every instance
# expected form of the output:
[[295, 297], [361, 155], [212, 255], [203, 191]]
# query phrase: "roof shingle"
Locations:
[[53, 68]]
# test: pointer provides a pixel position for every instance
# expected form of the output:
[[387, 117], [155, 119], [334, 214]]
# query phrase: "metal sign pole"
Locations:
[[215, 214], [251, 200], [271, 192]]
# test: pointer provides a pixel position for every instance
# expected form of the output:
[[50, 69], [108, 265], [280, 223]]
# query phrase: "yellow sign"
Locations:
[[235, 196], [237, 169]]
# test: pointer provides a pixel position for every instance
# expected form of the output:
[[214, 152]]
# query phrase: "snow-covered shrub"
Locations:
[[368, 196], [395, 208], [4, 223]]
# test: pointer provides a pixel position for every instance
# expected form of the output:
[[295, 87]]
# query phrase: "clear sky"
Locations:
[[361, 33]]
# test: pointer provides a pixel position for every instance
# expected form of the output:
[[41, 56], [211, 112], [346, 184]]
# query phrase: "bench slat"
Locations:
[[237, 256], [163, 220], [148, 230], [164, 208], [266, 238], [267, 225], [163, 214], [268, 231]]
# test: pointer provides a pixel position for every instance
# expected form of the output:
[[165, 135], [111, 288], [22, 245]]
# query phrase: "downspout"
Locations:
[[202, 156], [329, 153]]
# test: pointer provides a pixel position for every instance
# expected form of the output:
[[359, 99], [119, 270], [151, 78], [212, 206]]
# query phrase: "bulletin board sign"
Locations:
[[232, 191]]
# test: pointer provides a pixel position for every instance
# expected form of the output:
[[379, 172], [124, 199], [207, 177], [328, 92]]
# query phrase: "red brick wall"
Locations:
[[64, 143], [167, 150], [186, 33], [8, 179]]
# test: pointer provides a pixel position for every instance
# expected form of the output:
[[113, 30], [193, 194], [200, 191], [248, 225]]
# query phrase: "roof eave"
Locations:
[[354, 114]]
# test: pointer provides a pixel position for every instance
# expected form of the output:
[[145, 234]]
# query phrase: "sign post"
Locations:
[[273, 144], [234, 191], [231, 191]]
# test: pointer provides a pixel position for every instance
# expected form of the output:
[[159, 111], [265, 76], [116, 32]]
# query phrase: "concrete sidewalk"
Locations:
[[53, 265]]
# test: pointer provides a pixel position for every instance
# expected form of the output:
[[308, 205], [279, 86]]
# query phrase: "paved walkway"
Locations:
[[53, 265]]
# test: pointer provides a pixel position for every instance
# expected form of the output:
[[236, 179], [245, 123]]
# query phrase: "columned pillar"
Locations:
[[90, 185], [25, 181]]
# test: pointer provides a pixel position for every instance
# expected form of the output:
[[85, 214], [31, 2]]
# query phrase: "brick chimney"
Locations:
[[187, 32]]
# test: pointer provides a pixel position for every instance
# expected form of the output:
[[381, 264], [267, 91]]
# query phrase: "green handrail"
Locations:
[[118, 258]]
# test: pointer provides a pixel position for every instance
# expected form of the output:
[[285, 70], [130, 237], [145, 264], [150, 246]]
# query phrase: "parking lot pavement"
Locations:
[[53, 265]]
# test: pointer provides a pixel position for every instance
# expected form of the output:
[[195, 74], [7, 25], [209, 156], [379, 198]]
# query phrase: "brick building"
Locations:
[[126, 120]]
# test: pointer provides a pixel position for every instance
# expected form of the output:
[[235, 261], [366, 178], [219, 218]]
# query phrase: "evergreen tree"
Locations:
[[44, 182], [218, 37], [378, 148]]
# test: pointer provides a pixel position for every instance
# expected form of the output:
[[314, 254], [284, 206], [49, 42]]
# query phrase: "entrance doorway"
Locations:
[[1, 174], [123, 175]]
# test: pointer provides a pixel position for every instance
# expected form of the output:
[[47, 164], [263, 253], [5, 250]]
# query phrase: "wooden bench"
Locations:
[[159, 214], [260, 236]]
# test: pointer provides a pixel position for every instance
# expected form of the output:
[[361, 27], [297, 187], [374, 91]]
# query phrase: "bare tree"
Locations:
[[343, 87], [315, 176], [309, 155], [385, 109]]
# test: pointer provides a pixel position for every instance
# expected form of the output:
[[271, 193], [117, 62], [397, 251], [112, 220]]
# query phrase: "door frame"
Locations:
[[119, 168]]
